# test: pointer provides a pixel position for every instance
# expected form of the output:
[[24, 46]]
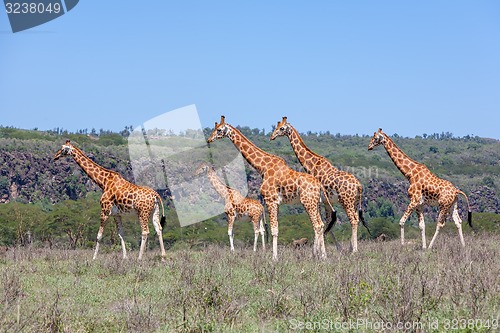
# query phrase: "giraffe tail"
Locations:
[[331, 223], [163, 219], [266, 226], [469, 211], [360, 211], [360, 214]]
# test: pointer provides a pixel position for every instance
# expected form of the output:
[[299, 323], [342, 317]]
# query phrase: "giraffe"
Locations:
[[122, 195], [425, 188], [236, 205], [280, 184], [338, 184]]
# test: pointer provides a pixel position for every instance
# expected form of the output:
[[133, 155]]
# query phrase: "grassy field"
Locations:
[[385, 286]]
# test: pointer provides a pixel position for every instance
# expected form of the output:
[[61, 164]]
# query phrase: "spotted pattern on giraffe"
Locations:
[[120, 193], [425, 188], [278, 181], [235, 204], [340, 186]]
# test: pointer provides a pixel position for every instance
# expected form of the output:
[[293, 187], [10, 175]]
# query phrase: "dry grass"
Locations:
[[215, 291]]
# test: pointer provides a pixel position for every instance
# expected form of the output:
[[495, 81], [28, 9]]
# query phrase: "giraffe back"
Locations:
[[127, 196]]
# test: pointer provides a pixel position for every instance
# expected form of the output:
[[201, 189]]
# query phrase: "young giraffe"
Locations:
[[425, 188], [279, 184], [119, 193], [236, 205], [338, 184]]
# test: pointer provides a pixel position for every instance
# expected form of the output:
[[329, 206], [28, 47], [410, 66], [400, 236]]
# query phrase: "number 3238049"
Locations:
[[32, 8]]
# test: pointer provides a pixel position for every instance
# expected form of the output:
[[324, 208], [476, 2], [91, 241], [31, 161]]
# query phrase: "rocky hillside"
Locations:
[[28, 172]]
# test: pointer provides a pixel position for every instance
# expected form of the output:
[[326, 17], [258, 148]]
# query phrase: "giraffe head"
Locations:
[[378, 139], [202, 168], [66, 150], [283, 128], [221, 130]]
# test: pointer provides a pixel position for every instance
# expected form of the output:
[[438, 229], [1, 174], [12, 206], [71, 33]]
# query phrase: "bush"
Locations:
[[381, 225]]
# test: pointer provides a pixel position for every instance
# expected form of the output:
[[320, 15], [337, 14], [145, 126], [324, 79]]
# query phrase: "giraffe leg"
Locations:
[[262, 232], [440, 223], [144, 240], [321, 244], [350, 209], [119, 225], [421, 225], [319, 250], [273, 221], [256, 230], [320, 239], [458, 223], [331, 218], [105, 211], [354, 219], [158, 229], [255, 241], [411, 207], [98, 240], [144, 219], [230, 221]]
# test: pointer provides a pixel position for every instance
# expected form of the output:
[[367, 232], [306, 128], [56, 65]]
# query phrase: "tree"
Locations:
[[433, 149], [381, 207], [78, 220], [17, 219]]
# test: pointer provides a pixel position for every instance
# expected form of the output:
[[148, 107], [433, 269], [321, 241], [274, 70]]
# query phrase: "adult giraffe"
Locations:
[[235, 204], [338, 184], [119, 193], [425, 188], [280, 184]]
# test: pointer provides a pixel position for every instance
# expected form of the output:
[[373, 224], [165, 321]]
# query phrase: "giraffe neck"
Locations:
[[257, 158], [219, 186], [306, 156], [96, 172], [402, 161]]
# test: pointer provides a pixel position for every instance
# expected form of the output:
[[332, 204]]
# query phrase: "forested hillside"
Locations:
[[30, 181]]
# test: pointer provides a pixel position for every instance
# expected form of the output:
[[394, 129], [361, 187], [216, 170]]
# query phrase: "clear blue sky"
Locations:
[[410, 67]]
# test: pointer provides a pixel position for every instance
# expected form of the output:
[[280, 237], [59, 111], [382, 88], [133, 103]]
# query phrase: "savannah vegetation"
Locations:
[[384, 287], [49, 218]]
